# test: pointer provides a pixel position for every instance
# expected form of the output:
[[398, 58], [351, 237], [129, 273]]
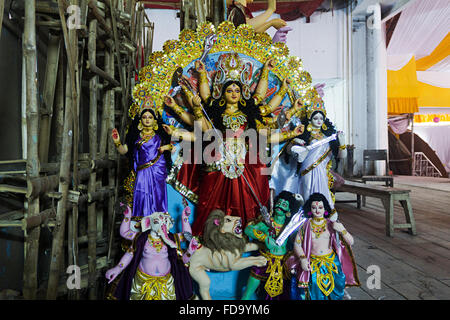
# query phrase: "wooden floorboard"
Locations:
[[411, 267]]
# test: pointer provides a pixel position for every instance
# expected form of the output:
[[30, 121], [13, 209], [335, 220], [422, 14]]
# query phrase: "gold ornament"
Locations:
[[318, 229], [234, 121], [155, 243]]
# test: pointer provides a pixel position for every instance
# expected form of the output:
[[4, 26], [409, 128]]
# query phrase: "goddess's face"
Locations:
[[317, 209], [317, 120], [147, 119], [232, 94]]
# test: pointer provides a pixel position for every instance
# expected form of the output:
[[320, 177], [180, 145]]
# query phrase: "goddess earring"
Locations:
[[222, 102], [242, 101], [155, 127], [324, 126], [140, 126], [309, 127]]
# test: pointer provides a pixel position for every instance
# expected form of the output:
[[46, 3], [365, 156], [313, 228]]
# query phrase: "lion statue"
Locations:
[[221, 250]]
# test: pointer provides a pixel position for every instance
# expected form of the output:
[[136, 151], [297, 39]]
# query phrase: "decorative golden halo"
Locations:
[[187, 35], [156, 78]]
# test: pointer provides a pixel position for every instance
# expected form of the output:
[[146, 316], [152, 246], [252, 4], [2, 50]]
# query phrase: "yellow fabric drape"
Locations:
[[403, 89], [432, 96], [438, 54]]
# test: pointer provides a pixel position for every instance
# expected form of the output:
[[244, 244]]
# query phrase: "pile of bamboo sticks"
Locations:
[[91, 49]]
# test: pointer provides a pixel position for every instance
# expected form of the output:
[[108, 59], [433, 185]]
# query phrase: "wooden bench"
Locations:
[[388, 196]]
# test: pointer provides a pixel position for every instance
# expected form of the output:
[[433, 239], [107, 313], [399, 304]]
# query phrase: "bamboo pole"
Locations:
[[70, 119], [113, 13], [109, 121], [72, 236], [59, 109], [2, 7], [14, 189], [41, 185], [58, 233], [32, 116], [108, 100], [92, 216], [37, 220]]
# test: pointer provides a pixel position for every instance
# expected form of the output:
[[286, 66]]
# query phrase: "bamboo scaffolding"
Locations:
[[92, 214], [32, 116], [112, 154], [70, 106], [55, 168]]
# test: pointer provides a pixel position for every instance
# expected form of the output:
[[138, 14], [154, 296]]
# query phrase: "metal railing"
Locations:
[[424, 167]]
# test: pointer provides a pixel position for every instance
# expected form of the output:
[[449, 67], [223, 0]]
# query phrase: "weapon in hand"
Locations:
[[295, 223], [209, 42]]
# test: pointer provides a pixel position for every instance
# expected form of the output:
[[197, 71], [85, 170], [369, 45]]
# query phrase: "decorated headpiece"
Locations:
[[316, 105], [230, 67]]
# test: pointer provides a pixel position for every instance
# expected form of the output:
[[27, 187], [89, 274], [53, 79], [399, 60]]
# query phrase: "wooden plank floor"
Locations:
[[411, 267]]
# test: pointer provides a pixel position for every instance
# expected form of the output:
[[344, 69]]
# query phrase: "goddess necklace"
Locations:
[[316, 134], [147, 135], [234, 120], [318, 229], [155, 243]]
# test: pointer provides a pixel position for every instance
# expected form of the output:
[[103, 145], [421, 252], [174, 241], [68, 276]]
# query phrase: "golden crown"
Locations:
[[316, 105], [232, 68]]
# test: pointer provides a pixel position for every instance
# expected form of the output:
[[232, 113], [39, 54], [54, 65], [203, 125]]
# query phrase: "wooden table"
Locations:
[[388, 196]]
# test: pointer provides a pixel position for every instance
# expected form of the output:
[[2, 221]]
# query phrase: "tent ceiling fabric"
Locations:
[[421, 34], [421, 27]]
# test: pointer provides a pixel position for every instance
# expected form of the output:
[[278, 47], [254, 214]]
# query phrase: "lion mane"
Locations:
[[215, 240]]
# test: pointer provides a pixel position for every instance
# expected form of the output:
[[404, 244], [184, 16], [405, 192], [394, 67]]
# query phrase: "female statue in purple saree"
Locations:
[[148, 148]]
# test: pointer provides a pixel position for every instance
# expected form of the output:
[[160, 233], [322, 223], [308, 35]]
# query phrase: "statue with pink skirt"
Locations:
[[323, 264]]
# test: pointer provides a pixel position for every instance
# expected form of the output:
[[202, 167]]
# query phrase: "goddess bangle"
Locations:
[[288, 135], [187, 92], [179, 110], [302, 257], [203, 77], [344, 232], [117, 144], [198, 112], [281, 93], [265, 109], [257, 98], [343, 147], [264, 74]]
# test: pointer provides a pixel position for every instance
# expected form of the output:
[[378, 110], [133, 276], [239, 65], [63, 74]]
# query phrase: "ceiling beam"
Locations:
[[390, 8]]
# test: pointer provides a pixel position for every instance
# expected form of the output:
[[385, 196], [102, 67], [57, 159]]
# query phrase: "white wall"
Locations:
[[167, 26]]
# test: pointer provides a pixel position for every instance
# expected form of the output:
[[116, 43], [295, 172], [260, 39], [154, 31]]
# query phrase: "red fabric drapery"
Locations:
[[288, 10], [292, 10]]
